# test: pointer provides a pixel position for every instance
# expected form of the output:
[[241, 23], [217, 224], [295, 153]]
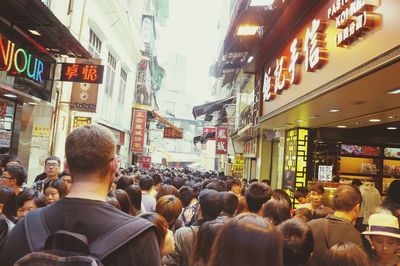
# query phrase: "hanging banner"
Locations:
[[144, 161], [172, 133], [238, 165], [221, 142], [84, 95], [207, 130], [138, 130]]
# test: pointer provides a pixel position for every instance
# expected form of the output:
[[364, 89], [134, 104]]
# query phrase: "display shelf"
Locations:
[[358, 174]]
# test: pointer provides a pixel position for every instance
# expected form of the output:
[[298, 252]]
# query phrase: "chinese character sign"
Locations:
[[172, 133], [145, 161], [207, 130], [138, 130], [87, 73], [221, 140], [81, 121]]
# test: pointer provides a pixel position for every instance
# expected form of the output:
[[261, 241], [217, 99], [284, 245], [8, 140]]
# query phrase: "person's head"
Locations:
[[55, 189], [52, 166], [186, 195], [247, 239], [165, 236], [322, 212], [123, 199], [301, 195], [347, 198], [170, 207], [204, 241], [145, 182], [67, 178], [7, 198], [298, 242], [13, 176], [356, 182], [217, 185], [303, 214], [167, 190], [135, 195], [211, 204], [124, 181], [256, 195], [276, 210], [234, 185], [281, 194], [384, 234], [90, 152], [29, 200], [231, 202], [157, 181], [393, 192], [113, 202], [9, 160], [316, 194], [346, 254]]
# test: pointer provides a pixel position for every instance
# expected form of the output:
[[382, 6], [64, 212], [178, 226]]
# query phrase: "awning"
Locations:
[[203, 138], [165, 121], [209, 108], [35, 15]]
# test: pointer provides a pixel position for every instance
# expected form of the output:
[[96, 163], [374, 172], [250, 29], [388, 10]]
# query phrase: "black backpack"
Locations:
[[68, 248]]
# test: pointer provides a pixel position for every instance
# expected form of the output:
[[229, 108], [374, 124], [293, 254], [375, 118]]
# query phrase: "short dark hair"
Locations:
[[18, 172], [145, 182], [303, 212], [298, 242], [301, 192], [281, 194], [186, 195], [217, 185], [277, 210], [53, 158], [29, 194], [346, 197], [231, 182], [157, 179], [345, 254], [257, 194], [231, 202], [8, 198], [124, 181], [58, 184], [318, 187], [9, 158]]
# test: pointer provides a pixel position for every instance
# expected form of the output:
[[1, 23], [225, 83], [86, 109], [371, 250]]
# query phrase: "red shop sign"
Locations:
[[221, 142], [138, 130]]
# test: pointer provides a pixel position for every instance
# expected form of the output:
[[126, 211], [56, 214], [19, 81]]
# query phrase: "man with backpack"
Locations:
[[83, 226]]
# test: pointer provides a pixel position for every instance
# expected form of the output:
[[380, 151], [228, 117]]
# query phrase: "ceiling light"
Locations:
[[288, 125], [35, 32], [391, 128], [393, 91], [250, 59], [10, 95], [375, 120], [334, 110], [261, 2], [299, 120], [247, 30], [341, 126]]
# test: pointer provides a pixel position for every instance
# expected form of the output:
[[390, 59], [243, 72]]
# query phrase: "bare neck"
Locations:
[[89, 190]]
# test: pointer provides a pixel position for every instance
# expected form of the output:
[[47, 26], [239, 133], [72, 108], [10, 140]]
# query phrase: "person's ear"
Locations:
[[66, 167], [1, 207]]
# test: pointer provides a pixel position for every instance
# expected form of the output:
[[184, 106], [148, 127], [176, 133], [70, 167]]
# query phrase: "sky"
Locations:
[[192, 31]]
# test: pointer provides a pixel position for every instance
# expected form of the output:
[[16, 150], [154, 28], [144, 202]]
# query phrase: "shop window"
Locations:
[[6, 125], [111, 67], [94, 44], [122, 86]]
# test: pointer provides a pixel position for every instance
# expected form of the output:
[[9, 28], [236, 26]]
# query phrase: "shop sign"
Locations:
[[84, 95], [392, 152], [41, 131], [221, 140], [86, 73], [207, 130], [138, 130], [172, 133], [238, 165], [356, 150], [145, 161], [325, 173], [15, 59], [353, 18], [285, 72], [81, 121]]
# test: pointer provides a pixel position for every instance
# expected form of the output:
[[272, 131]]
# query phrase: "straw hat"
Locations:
[[383, 225]]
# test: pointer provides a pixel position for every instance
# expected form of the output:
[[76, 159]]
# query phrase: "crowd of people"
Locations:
[[168, 216]]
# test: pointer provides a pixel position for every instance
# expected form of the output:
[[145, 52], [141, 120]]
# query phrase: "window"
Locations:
[[122, 86], [94, 45], [111, 66]]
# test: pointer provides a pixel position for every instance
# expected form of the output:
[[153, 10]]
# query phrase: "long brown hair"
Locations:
[[247, 239], [346, 254]]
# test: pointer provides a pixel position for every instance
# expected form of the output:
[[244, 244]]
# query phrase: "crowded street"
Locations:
[[199, 133]]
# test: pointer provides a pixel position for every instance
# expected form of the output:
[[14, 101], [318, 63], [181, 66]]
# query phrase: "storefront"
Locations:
[[31, 38], [333, 88]]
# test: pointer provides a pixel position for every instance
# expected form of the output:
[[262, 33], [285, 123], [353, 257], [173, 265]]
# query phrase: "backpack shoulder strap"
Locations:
[[117, 237], [36, 230]]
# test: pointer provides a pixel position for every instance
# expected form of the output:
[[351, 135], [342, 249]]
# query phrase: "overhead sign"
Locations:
[[85, 73], [138, 130], [238, 165], [172, 133], [221, 142], [84, 95], [207, 130]]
